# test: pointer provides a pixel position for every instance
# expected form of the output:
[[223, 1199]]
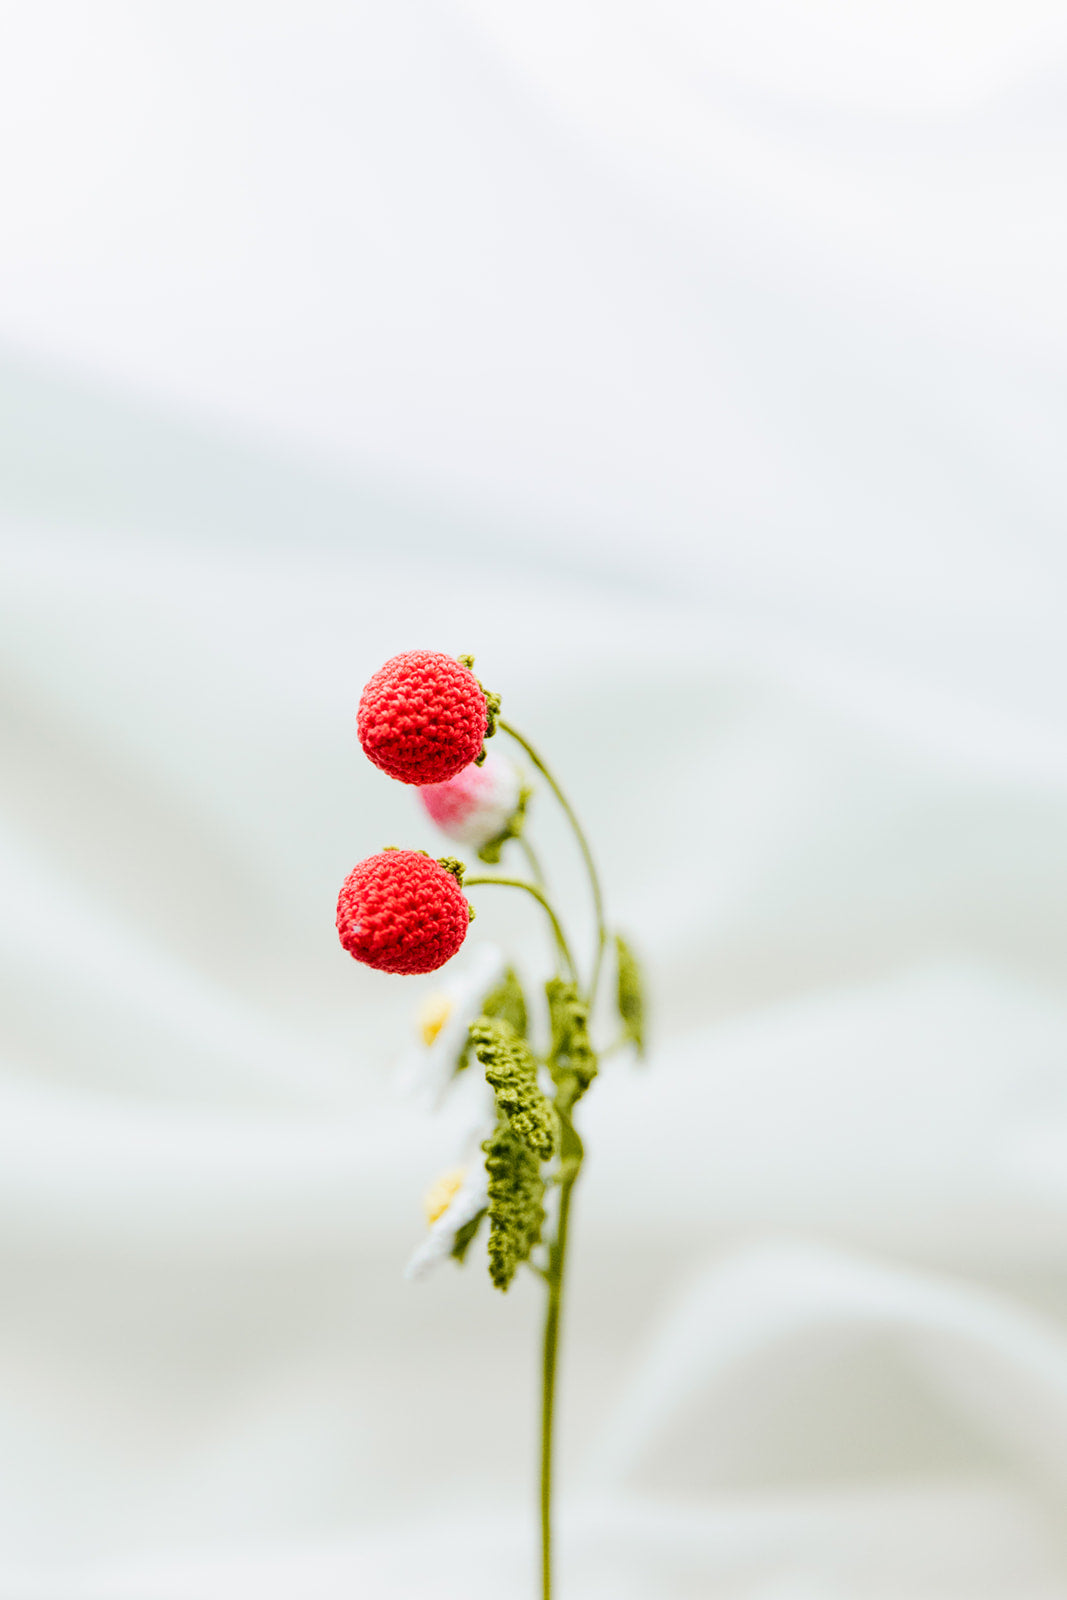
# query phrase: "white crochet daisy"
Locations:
[[442, 1021], [453, 1201]]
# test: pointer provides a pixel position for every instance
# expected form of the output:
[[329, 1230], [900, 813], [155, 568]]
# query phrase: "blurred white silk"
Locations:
[[702, 369]]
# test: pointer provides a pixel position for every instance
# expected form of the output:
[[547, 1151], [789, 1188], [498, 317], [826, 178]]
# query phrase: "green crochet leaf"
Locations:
[[511, 1071], [630, 993], [572, 1059], [508, 1002], [465, 1236], [516, 1208]]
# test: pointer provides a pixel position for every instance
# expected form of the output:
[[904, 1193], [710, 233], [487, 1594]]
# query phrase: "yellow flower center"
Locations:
[[434, 1012], [441, 1193]]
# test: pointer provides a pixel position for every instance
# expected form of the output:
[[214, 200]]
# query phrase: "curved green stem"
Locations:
[[520, 883], [532, 857], [583, 844]]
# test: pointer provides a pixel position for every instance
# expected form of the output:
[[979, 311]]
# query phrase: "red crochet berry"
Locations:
[[422, 717], [401, 912]]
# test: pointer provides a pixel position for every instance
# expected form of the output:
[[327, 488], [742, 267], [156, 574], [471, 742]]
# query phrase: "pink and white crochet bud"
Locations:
[[478, 803]]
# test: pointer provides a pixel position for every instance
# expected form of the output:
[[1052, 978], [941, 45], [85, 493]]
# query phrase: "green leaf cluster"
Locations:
[[531, 1129]]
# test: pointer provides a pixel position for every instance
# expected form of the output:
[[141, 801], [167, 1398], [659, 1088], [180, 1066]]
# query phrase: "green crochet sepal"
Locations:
[[453, 865], [492, 708], [457, 868], [490, 852]]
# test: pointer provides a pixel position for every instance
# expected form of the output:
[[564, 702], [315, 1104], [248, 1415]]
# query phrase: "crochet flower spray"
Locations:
[[424, 719]]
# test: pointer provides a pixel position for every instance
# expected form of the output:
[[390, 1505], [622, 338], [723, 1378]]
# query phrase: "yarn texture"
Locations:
[[423, 717], [516, 1212], [400, 911], [572, 1060], [511, 1072]]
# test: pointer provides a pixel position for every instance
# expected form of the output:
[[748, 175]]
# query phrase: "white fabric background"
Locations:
[[701, 369]]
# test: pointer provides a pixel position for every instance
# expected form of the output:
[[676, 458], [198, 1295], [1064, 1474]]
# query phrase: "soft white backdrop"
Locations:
[[702, 369]]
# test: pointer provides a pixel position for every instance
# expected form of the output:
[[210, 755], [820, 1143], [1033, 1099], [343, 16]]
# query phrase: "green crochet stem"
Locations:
[[583, 845], [571, 1152], [570, 1166], [520, 883], [534, 862]]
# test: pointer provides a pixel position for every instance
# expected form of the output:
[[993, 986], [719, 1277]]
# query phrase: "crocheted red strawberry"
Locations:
[[423, 717], [402, 912]]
